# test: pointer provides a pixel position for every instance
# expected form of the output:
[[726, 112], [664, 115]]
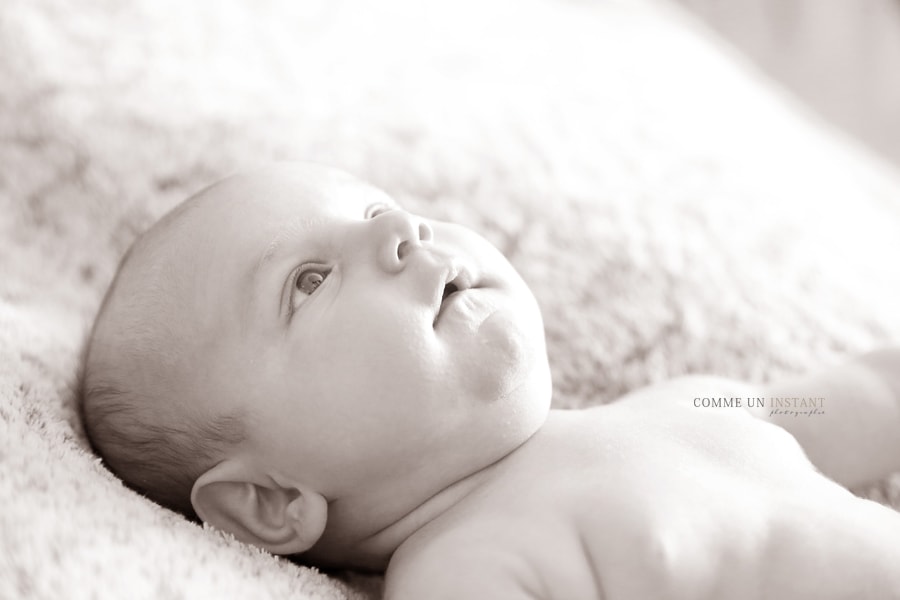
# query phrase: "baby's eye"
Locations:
[[379, 208], [307, 281]]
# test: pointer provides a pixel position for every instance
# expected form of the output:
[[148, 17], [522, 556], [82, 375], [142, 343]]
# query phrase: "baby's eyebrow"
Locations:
[[271, 250], [285, 231], [252, 296]]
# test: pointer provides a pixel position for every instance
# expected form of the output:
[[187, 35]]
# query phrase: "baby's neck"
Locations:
[[373, 552], [385, 542]]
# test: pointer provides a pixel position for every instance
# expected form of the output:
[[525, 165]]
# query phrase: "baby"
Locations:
[[291, 357]]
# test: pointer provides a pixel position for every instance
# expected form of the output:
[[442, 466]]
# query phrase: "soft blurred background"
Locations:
[[842, 57]]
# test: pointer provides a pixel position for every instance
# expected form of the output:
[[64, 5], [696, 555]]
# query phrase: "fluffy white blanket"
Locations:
[[672, 212]]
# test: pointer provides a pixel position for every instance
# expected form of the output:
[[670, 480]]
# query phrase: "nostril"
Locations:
[[402, 249], [412, 236]]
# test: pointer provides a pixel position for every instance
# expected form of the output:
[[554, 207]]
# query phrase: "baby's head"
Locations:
[[293, 358]]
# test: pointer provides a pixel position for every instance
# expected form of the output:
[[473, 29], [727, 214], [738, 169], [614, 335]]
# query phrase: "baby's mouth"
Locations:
[[457, 280], [449, 289]]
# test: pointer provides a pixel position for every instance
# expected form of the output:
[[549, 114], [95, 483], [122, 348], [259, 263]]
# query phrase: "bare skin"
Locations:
[[392, 376], [652, 497]]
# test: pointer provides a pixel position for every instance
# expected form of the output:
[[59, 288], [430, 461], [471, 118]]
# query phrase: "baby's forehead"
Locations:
[[292, 193], [248, 209]]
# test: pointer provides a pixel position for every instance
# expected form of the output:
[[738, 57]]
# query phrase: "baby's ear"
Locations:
[[281, 520]]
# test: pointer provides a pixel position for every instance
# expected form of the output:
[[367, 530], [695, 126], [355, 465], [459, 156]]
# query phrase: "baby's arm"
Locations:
[[856, 439]]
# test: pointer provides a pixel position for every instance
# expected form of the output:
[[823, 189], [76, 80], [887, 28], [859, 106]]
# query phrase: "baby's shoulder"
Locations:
[[452, 567], [694, 391]]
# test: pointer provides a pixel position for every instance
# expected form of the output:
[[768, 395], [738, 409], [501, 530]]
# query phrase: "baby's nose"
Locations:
[[399, 234]]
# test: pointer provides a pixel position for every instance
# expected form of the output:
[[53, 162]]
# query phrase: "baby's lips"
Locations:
[[461, 274], [458, 277], [452, 273]]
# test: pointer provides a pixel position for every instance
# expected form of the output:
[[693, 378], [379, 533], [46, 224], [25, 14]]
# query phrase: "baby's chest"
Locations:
[[623, 548], [659, 510]]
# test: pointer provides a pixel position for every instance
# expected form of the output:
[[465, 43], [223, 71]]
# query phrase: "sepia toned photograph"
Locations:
[[433, 300]]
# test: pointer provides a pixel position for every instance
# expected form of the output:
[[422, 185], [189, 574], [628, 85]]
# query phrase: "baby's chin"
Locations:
[[515, 383], [512, 354]]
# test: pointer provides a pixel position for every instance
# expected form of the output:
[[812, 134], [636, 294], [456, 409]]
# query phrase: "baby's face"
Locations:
[[369, 347]]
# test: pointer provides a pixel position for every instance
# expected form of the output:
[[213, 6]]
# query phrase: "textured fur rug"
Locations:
[[672, 212]]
